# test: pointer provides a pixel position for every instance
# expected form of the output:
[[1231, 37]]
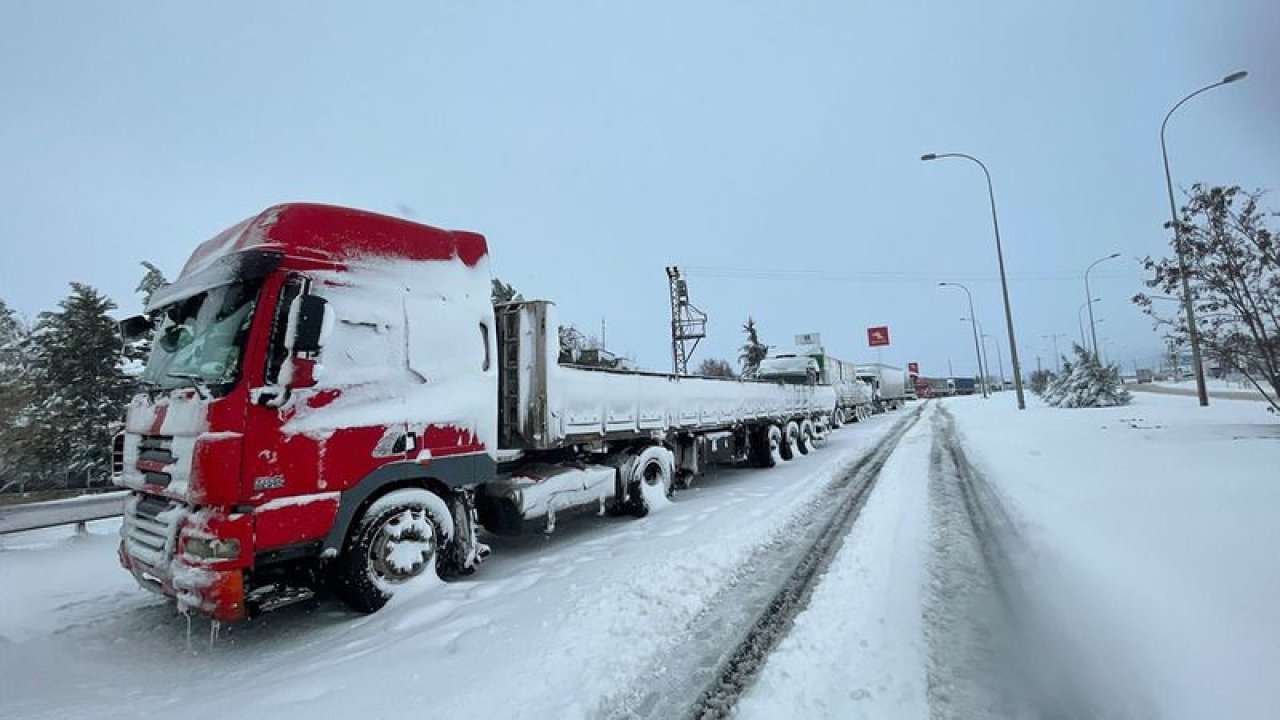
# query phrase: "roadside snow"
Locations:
[[1165, 517]]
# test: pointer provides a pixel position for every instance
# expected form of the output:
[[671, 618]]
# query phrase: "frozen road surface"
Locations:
[[963, 560]]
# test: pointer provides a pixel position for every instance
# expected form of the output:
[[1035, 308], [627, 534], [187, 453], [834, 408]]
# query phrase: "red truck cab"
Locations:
[[307, 362]]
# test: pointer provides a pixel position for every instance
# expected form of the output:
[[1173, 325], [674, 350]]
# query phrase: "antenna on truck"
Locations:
[[688, 323]]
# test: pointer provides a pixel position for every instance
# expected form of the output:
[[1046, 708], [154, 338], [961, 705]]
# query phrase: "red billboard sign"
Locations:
[[878, 336], [913, 368]]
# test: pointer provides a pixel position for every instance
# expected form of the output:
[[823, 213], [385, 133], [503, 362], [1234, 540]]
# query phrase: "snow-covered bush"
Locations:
[[1086, 383]]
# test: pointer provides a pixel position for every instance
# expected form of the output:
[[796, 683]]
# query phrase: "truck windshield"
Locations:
[[201, 339]]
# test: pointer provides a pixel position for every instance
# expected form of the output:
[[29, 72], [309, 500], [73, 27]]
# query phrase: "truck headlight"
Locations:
[[212, 549]]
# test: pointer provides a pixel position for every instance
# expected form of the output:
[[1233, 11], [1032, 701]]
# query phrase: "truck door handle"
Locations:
[[484, 338]]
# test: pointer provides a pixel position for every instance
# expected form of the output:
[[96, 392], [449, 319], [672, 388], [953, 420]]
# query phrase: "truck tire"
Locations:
[[399, 539], [804, 438], [790, 437], [653, 472], [764, 441], [837, 418]]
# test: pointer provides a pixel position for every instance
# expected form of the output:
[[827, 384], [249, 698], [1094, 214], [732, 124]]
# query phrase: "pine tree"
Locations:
[[503, 292], [1086, 383], [139, 350], [78, 387], [15, 395], [753, 351]]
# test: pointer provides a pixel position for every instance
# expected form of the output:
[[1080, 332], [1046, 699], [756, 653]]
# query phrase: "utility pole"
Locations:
[[688, 323]]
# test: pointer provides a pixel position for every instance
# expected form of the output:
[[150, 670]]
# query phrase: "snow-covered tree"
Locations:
[[1233, 268], [752, 351], [1039, 381], [15, 394], [78, 388], [138, 350], [711, 367], [1086, 383], [503, 292]]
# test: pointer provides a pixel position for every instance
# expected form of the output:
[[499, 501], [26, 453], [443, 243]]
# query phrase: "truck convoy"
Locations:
[[808, 362], [333, 400], [891, 385]]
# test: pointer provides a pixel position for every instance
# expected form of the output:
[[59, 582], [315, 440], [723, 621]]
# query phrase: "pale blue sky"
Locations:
[[596, 143]]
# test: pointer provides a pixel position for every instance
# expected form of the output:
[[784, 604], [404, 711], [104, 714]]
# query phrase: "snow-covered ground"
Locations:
[[549, 627], [1146, 536], [1162, 521]]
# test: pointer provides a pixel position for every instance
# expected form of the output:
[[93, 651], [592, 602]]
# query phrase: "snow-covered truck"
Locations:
[[891, 385], [333, 400], [809, 362]]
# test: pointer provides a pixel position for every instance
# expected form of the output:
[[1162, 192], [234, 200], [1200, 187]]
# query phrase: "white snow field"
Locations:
[[1162, 522], [549, 627], [1148, 534]]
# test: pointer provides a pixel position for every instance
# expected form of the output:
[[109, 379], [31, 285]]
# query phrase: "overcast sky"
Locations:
[[771, 148]]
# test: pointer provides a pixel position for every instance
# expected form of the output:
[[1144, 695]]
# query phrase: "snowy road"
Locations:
[[550, 627], [979, 562]]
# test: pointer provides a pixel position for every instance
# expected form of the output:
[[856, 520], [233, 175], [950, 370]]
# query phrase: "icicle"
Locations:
[[215, 627], [187, 615]]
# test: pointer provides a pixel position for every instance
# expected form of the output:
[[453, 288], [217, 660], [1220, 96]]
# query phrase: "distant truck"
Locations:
[[809, 362], [965, 385], [892, 386], [1144, 375]]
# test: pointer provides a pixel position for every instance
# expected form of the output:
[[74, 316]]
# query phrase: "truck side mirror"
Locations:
[[314, 321], [134, 328]]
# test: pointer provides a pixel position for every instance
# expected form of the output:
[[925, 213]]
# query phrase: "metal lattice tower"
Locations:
[[688, 323]]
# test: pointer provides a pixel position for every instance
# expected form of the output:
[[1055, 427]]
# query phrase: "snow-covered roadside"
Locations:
[[858, 649], [549, 627], [1165, 518]]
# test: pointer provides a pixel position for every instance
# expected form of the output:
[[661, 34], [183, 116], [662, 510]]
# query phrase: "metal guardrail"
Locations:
[[33, 516]]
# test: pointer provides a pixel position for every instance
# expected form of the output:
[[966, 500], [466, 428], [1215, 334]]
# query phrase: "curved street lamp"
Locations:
[[1193, 334], [1093, 331], [1004, 284], [973, 325]]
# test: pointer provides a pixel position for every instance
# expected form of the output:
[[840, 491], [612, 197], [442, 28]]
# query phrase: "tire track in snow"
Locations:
[[758, 611]]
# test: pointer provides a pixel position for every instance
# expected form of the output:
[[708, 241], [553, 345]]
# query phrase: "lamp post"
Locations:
[[1004, 284], [1093, 331], [999, 357], [984, 357], [1188, 309], [1080, 320], [1057, 359], [973, 325]]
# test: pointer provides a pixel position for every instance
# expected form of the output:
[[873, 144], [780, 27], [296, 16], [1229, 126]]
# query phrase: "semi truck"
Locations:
[[891, 385], [808, 361], [332, 400]]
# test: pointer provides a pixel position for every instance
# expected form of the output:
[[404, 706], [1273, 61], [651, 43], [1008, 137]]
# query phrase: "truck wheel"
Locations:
[[790, 438], [399, 539], [804, 438], [652, 474], [837, 418]]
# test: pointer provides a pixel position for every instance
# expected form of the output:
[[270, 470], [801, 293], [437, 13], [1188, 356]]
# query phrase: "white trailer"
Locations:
[[576, 438], [893, 387]]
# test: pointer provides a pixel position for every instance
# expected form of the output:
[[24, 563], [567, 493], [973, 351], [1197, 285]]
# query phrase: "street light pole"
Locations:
[[1080, 321], [1004, 284], [983, 380], [999, 357], [1187, 306], [1093, 331], [1057, 359]]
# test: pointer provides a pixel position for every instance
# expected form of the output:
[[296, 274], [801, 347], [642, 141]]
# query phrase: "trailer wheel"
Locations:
[[804, 438], [790, 438], [653, 472], [399, 539], [837, 418]]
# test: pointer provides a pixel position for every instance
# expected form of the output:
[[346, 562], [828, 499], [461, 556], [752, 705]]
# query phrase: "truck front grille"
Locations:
[[150, 528]]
